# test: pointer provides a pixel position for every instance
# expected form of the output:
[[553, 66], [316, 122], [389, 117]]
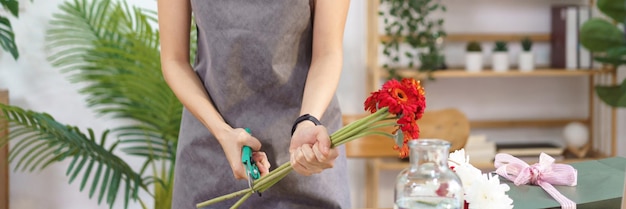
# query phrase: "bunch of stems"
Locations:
[[363, 127]]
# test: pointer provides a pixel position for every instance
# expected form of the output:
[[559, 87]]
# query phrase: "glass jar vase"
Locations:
[[428, 182]]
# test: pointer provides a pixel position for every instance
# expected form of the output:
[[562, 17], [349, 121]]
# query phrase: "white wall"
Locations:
[[34, 84]]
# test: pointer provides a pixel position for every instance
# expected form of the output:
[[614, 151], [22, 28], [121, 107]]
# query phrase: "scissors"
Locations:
[[248, 163]]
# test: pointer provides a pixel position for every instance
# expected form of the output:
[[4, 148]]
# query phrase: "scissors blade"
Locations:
[[250, 180]]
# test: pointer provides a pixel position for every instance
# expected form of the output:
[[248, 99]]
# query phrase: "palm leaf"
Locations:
[[114, 50], [7, 37], [43, 141], [12, 6]]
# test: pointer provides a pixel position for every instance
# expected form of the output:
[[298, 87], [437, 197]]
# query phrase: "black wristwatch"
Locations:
[[303, 118]]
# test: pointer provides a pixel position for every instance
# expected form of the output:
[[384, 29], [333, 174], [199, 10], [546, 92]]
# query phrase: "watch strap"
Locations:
[[303, 118]]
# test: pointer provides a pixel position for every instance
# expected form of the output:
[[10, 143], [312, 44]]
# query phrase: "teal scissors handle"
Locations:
[[246, 158]]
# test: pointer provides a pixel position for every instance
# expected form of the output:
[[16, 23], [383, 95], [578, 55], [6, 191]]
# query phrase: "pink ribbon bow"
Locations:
[[545, 173]]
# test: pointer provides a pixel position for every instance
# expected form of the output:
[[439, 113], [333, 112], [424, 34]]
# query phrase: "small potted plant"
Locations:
[[474, 57], [526, 58], [500, 57]]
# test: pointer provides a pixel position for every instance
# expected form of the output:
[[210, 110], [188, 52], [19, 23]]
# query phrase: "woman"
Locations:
[[261, 64]]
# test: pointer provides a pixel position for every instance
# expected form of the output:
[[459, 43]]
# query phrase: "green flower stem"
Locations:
[[268, 184], [263, 180], [276, 180], [261, 185], [377, 117], [276, 176], [348, 130], [270, 181], [382, 125], [363, 135], [222, 198], [363, 124], [372, 118], [240, 201], [359, 123]]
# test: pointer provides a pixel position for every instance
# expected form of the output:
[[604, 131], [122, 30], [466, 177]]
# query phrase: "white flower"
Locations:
[[458, 158], [468, 174], [482, 191], [488, 194], [466, 171]]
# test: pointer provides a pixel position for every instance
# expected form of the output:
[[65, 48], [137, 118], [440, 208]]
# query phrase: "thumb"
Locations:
[[323, 139], [253, 143]]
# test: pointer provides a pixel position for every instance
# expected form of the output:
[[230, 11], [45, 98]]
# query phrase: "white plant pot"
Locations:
[[526, 62], [474, 61], [500, 61]]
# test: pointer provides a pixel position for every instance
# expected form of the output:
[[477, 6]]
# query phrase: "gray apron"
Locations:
[[253, 58]]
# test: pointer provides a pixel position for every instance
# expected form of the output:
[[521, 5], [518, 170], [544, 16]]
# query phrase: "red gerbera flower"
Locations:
[[401, 97], [415, 92], [371, 103], [408, 125], [406, 100], [403, 151]]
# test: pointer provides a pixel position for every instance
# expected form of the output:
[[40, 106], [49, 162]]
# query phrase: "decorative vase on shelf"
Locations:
[[526, 62], [428, 182], [526, 58], [473, 57], [500, 57]]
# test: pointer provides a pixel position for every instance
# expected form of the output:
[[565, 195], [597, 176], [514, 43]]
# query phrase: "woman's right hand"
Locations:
[[232, 142]]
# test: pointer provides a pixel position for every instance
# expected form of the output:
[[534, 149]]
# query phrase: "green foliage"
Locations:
[[473, 46], [615, 9], [607, 42], [614, 96], [43, 141], [112, 50], [500, 46], [527, 44], [613, 56], [599, 35], [412, 22], [7, 37]]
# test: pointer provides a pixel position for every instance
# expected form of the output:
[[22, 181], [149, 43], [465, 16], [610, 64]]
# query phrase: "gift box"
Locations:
[[600, 185]]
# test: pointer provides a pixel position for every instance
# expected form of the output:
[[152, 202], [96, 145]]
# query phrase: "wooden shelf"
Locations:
[[370, 146], [539, 37], [487, 37], [461, 73], [525, 123]]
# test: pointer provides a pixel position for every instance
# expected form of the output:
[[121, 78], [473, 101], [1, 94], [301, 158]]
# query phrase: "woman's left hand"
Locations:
[[310, 149]]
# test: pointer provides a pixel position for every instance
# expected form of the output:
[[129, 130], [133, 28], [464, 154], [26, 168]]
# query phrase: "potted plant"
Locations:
[[416, 24], [605, 39], [500, 57], [473, 57], [526, 57], [107, 46]]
